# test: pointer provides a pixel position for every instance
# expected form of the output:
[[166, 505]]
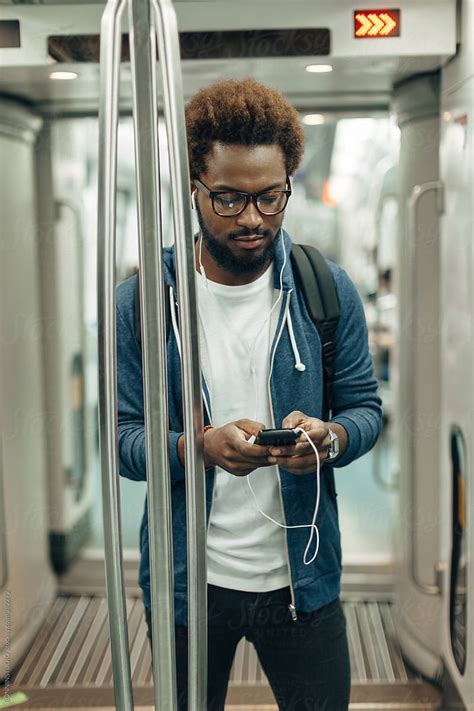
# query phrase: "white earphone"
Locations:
[[201, 265], [300, 367]]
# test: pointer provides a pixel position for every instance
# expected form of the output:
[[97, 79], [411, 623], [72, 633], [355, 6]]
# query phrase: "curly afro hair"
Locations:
[[242, 112]]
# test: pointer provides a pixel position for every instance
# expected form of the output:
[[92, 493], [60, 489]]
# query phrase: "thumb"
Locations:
[[294, 419], [250, 426]]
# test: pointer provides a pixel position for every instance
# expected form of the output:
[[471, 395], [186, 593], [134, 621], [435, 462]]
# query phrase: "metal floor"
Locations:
[[69, 663]]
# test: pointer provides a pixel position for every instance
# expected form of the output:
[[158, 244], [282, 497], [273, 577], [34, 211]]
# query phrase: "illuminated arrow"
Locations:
[[365, 25], [389, 23], [378, 24]]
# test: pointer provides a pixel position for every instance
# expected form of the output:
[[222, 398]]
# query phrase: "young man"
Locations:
[[261, 361]]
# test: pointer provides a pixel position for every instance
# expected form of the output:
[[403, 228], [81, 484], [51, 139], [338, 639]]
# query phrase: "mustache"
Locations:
[[247, 233]]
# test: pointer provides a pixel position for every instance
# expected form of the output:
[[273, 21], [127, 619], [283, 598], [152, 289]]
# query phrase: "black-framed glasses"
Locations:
[[227, 203]]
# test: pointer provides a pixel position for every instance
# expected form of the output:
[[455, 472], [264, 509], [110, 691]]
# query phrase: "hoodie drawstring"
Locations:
[[298, 364], [174, 320]]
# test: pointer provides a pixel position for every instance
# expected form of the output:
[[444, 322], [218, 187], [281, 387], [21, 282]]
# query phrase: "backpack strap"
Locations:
[[137, 312], [319, 292]]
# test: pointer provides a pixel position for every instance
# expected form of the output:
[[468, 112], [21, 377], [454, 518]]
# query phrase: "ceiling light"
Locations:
[[313, 119], [319, 68], [63, 76]]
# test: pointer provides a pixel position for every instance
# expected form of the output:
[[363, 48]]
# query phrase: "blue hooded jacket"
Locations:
[[356, 407]]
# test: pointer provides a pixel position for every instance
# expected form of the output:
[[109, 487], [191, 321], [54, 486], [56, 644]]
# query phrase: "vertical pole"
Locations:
[[168, 43], [143, 59], [108, 125]]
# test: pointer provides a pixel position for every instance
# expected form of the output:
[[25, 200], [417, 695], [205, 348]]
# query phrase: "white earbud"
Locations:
[[201, 266]]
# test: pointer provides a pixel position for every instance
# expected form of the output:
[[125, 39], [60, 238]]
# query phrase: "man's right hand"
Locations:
[[227, 447]]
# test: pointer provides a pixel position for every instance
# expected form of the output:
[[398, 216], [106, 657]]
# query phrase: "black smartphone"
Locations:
[[277, 437]]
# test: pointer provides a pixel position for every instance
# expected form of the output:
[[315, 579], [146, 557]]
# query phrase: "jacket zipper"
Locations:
[[291, 606]]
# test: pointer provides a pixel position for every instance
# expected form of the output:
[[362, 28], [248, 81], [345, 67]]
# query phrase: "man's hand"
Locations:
[[227, 447], [300, 458]]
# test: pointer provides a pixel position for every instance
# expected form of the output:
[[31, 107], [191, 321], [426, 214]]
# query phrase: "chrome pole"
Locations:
[[108, 125], [168, 43], [145, 116]]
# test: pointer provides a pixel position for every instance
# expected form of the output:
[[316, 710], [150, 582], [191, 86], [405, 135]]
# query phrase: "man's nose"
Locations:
[[250, 217]]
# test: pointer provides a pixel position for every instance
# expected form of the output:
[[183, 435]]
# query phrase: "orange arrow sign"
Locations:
[[365, 25], [377, 24], [389, 23]]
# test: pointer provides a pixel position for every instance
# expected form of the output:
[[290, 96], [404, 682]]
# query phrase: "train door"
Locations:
[[27, 585], [456, 434], [435, 426], [420, 581]]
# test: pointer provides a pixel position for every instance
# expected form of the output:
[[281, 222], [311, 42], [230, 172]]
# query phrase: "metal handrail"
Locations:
[[168, 43], [145, 116], [75, 210], [417, 193], [106, 224]]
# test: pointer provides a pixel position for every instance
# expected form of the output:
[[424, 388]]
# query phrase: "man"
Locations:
[[261, 361]]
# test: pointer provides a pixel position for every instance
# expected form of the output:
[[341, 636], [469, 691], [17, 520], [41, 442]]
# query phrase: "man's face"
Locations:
[[226, 239]]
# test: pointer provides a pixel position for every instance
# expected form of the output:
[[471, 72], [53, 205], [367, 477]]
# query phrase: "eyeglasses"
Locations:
[[230, 204]]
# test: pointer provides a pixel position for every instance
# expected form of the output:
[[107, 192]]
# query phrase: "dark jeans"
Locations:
[[306, 661]]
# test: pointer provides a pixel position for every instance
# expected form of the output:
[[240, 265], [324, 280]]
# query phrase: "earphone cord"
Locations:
[[252, 364], [201, 265], [312, 525], [267, 318]]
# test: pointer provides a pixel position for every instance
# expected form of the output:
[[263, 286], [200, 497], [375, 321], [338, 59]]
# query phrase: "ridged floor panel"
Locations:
[[70, 660]]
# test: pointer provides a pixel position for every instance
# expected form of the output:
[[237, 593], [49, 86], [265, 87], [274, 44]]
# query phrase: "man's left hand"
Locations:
[[300, 458]]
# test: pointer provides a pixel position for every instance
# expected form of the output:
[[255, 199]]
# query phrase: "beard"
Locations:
[[247, 263]]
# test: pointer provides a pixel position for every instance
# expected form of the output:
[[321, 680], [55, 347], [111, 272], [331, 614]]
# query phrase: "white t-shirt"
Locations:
[[245, 551]]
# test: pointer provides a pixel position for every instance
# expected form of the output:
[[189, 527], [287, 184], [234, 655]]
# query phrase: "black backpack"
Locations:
[[319, 291]]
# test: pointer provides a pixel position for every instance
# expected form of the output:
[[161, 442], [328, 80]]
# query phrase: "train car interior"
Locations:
[[385, 190]]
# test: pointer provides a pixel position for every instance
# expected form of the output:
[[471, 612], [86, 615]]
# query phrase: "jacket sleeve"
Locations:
[[356, 405], [131, 419]]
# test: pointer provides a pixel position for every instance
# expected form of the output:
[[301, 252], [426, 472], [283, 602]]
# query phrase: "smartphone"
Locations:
[[277, 437]]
